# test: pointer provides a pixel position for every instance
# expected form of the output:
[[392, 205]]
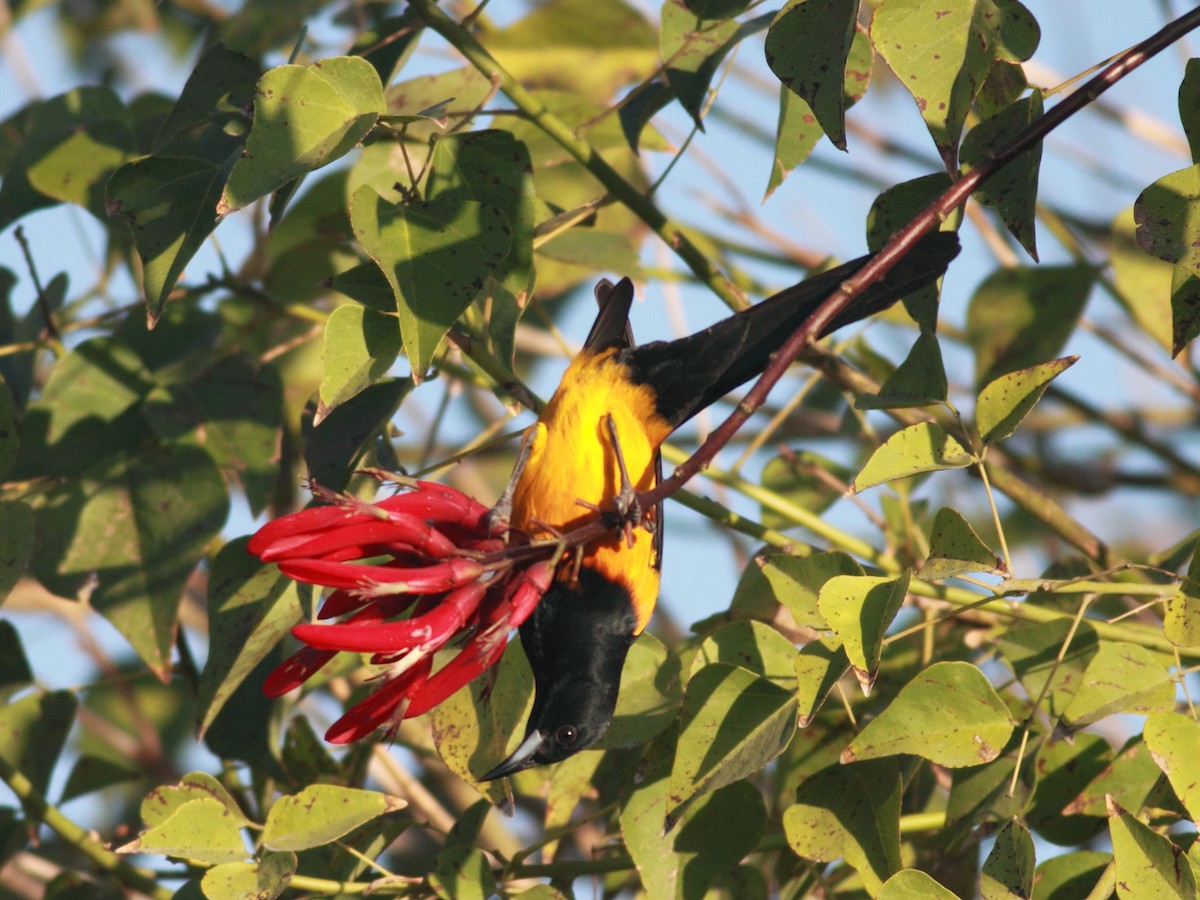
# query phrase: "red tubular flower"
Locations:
[[426, 549]]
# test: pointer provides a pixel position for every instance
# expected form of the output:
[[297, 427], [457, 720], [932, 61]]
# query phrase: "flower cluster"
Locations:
[[410, 574]]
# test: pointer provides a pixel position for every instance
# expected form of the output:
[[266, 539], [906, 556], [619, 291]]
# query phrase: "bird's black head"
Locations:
[[576, 641]]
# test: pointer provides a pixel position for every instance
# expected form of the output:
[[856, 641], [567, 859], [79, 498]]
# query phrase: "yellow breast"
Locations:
[[572, 459]]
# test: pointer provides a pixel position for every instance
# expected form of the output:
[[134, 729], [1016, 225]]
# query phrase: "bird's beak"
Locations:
[[521, 758]]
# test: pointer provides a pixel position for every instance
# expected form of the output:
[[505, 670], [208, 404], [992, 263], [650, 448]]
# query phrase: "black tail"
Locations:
[[693, 372]]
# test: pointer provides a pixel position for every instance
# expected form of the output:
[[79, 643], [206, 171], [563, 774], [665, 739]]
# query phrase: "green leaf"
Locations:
[[1168, 219], [78, 168], [1129, 778], [1008, 870], [797, 581], [1120, 678], [93, 773], [913, 884], [332, 446], [389, 43], [1010, 398], [250, 608], [169, 204], [200, 829], [1181, 620], [797, 477], [16, 543], [1172, 739], [955, 549], [1189, 106], [360, 347], [686, 862], [15, 673], [368, 285], [33, 730], [492, 167], [546, 47], [1144, 284], [891, 211], [941, 52], [163, 802], [918, 381], [755, 646], [1013, 190], [133, 530], [732, 724], [650, 695], [322, 813], [693, 48], [1185, 310], [851, 811], [1069, 876], [1148, 865], [233, 410], [474, 729], [924, 447], [859, 610], [819, 666], [435, 256], [798, 130], [1010, 325], [462, 873], [808, 48], [1020, 33], [220, 88], [304, 118], [48, 130], [86, 412], [948, 714], [980, 794], [1033, 651], [1065, 768], [264, 879]]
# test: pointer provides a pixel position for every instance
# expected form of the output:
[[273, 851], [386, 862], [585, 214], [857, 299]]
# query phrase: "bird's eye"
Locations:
[[566, 735]]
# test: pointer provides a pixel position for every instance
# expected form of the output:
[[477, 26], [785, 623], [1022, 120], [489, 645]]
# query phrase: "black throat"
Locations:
[[580, 633]]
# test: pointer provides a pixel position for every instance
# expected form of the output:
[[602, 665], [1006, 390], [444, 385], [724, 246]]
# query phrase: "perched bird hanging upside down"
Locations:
[[615, 406]]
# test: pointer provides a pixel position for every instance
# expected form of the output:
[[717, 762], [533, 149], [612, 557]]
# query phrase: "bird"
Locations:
[[597, 441]]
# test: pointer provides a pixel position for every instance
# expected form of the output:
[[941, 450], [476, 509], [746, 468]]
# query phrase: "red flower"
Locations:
[[431, 550]]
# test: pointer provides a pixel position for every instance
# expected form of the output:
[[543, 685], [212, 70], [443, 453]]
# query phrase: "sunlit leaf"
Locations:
[[200, 829], [859, 610], [955, 548], [322, 813], [949, 714], [1147, 864], [304, 118], [941, 53], [1172, 739], [1121, 677], [1003, 403], [1008, 870], [924, 447], [435, 256]]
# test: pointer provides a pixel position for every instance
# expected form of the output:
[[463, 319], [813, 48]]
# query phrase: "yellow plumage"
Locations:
[[572, 459]]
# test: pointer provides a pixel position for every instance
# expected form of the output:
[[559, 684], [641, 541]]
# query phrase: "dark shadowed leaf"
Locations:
[[807, 48]]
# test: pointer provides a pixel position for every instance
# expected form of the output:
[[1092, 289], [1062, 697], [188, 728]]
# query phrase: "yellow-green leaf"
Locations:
[[948, 714], [1007, 400], [924, 447], [322, 813], [859, 609]]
